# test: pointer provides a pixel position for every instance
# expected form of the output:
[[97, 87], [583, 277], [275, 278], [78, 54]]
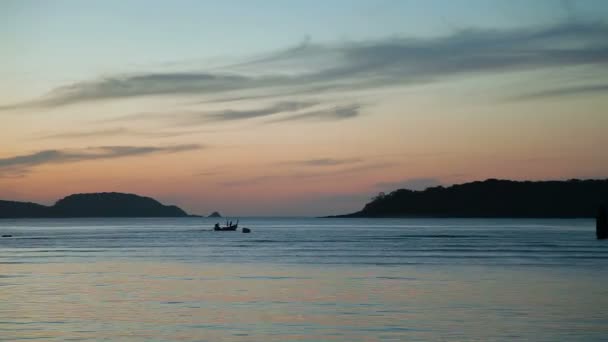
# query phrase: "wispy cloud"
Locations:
[[349, 170], [208, 173], [21, 163], [109, 132], [309, 164], [124, 86], [336, 113], [564, 91], [13, 172], [229, 115], [323, 162], [195, 117], [363, 64], [304, 175], [250, 180], [114, 132]]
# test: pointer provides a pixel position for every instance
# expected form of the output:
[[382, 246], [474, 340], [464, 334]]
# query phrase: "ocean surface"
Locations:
[[303, 280]]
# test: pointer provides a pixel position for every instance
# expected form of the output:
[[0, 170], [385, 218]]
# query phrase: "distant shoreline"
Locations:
[[492, 198], [93, 205]]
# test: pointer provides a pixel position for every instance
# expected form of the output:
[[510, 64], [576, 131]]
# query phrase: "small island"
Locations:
[[493, 198], [215, 214], [105, 204]]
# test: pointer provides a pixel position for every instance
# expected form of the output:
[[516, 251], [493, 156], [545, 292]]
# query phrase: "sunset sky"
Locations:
[[297, 107]]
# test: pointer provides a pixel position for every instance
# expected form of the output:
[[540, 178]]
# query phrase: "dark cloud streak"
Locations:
[[88, 134], [367, 64], [565, 91], [323, 162], [22, 163], [190, 118], [336, 113], [229, 115], [113, 132]]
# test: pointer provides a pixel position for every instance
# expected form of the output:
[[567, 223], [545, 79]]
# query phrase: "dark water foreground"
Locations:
[[304, 280]]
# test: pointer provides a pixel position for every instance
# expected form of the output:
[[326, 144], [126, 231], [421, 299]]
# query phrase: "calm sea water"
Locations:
[[303, 280]]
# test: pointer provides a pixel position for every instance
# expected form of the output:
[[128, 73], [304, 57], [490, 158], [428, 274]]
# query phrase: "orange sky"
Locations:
[[312, 129]]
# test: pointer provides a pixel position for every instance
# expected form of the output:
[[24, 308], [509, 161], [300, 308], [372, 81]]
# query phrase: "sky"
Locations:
[[297, 108]]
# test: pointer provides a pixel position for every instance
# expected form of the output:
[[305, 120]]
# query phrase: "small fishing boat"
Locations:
[[229, 227]]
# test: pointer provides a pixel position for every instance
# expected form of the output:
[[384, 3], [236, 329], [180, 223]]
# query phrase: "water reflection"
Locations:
[[229, 302]]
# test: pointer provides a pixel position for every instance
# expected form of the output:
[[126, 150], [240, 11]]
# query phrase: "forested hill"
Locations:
[[105, 204], [493, 198]]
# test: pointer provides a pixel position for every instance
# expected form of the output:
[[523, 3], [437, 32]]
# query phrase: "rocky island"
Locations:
[[105, 204]]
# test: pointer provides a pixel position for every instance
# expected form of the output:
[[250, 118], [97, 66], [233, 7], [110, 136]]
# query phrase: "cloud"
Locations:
[[295, 90], [112, 132], [229, 115], [189, 118], [564, 91], [88, 134], [410, 183], [324, 162], [346, 171], [23, 163], [303, 175], [363, 64], [308, 163], [208, 173], [336, 113], [250, 181], [13, 172]]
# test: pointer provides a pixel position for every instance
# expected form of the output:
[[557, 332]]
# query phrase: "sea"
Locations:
[[303, 279]]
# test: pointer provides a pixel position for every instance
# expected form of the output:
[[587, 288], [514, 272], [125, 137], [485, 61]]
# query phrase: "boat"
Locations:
[[229, 227]]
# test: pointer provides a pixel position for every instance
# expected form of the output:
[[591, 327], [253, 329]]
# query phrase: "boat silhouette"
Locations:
[[227, 228]]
